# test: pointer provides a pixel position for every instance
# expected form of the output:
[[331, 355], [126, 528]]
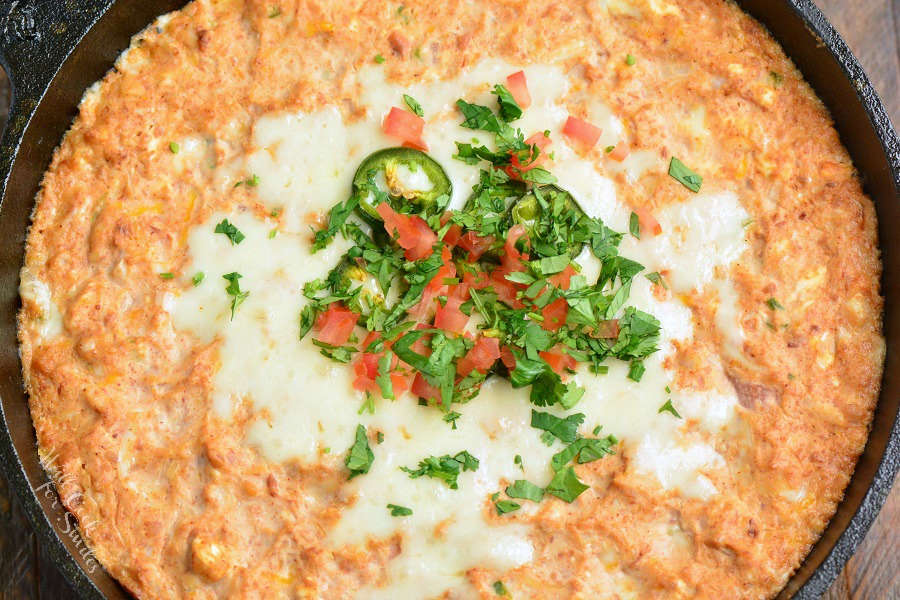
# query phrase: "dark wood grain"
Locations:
[[871, 29]]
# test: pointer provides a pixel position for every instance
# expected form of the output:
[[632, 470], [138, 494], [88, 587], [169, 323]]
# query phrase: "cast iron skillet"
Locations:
[[53, 50]]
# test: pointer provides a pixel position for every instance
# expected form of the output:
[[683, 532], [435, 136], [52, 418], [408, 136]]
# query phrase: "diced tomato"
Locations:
[[508, 358], [406, 127], [475, 244], [366, 369], [482, 356], [453, 235], [422, 244], [424, 307], [476, 281], [518, 87], [517, 167], [555, 314], [400, 382], [620, 152], [449, 317], [506, 289], [371, 337], [459, 290], [558, 361], [336, 325], [648, 222], [563, 279], [412, 232], [422, 389], [512, 258], [582, 131], [447, 271]]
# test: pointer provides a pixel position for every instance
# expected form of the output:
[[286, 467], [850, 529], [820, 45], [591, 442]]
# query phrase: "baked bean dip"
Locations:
[[380, 299]]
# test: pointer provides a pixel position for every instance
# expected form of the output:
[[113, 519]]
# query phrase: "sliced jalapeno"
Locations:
[[564, 213], [349, 278], [409, 180]]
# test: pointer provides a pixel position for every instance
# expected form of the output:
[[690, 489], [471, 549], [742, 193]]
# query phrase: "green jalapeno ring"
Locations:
[[527, 210], [390, 161]]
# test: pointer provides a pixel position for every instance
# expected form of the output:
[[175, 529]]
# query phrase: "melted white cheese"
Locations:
[[305, 402], [49, 321]]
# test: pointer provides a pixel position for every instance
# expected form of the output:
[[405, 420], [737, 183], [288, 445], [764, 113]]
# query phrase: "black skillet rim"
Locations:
[[16, 28]]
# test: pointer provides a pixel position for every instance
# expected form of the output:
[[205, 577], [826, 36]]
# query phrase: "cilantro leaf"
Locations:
[[565, 485], [509, 108], [383, 379], [525, 490], [399, 511], [565, 429], [634, 225], [506, 506], [445, 468], [231, 232], [681, 173], [233, 289], [337, 216], [478, 117], [413, 105], [585, 449], [669, 408], [359, 457]]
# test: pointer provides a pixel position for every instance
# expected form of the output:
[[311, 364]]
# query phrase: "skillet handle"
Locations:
[[36, 36]]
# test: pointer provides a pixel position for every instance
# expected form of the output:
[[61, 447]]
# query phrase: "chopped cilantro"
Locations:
[[198, 278], [399, 511], [167, 276], [585, 450], [512, 286], [379, 59], [445, 468], [630, 59], [774, 304], [681, 173], [525, 490], [634, 225], [565, 485], [233, 289], [413, 105], [636, 370], [383, 379], [451, 418], [231, 232], [657, 279], [517, 460], [478, 117], [565, 430], [506, 506], [359, 456], [669, 408], [174, 147], [509, 108], [500, 589]]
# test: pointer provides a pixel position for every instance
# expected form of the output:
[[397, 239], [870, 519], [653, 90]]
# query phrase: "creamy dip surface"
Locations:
[[203, 441]]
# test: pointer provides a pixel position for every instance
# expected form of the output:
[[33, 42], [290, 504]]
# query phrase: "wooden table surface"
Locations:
[[872, 28]]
